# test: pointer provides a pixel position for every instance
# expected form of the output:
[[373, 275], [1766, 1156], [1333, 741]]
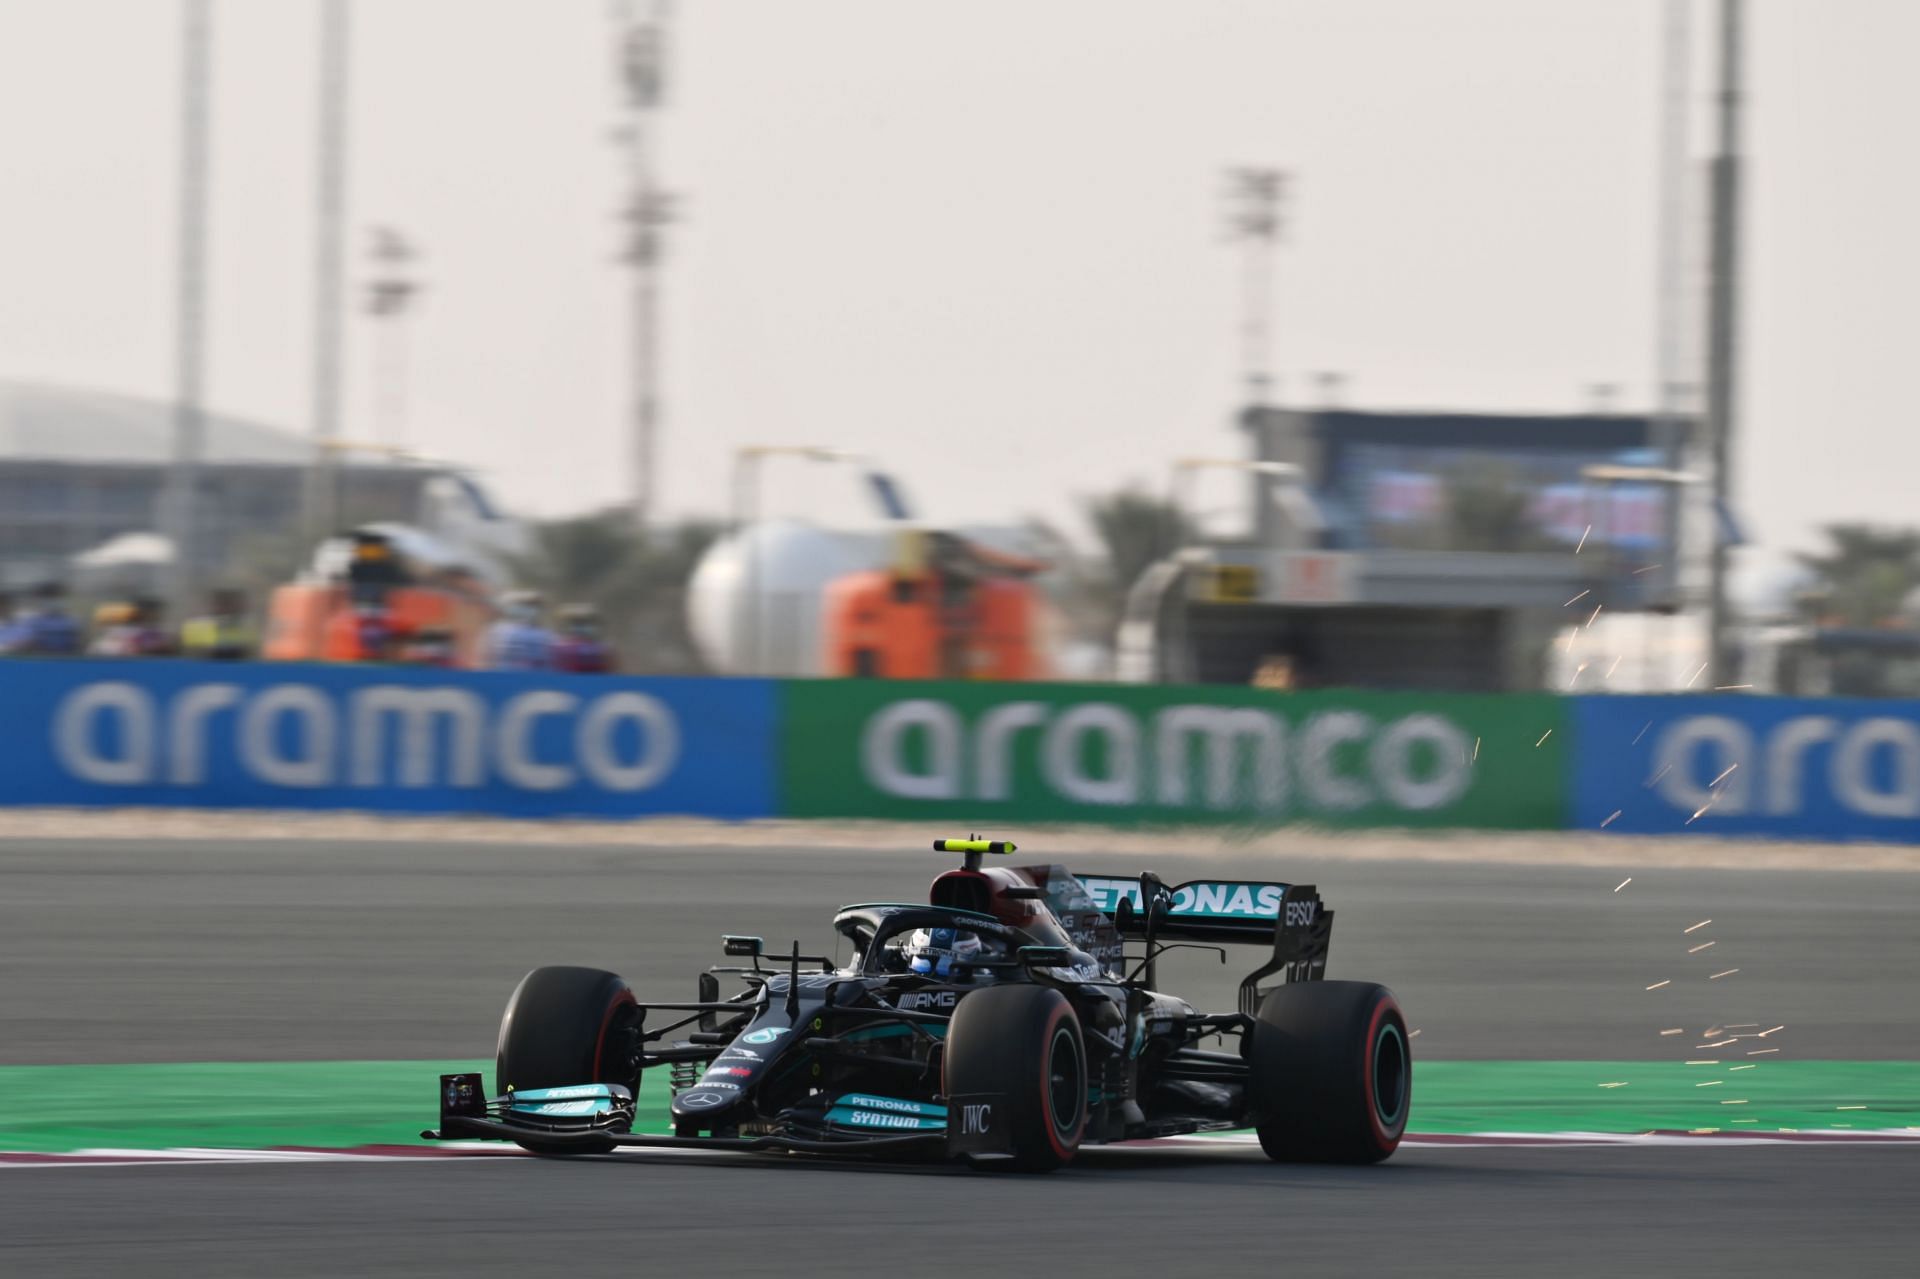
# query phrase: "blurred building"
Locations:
[[81, 468], [1417, 550]]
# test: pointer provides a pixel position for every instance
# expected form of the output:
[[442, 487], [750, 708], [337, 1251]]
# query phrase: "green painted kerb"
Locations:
[[352, 1103], [236, 1104]]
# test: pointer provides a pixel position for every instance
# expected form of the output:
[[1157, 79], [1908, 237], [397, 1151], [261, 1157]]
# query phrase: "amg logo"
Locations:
[[927, 999], [976, 1118], [1300, 914]]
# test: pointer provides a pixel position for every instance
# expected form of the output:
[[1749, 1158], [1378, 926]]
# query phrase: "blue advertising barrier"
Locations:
[[1820, 768], [383, 739]]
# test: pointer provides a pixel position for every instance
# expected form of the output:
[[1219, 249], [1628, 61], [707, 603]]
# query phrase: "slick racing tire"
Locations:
[[1022, 1044], [567, 1026], [1332, 1072]]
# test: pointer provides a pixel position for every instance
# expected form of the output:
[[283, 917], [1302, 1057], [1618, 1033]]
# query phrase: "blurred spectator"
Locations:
[[362, 633], [579, 646], [130, 630], [223, 632], [368, 632], [1275, 671], [44, 628], [429, 646], [519, 641]]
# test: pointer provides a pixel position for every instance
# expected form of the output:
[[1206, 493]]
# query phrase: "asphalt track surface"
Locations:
[[124, 952], [230, 951], [1703, 1211]]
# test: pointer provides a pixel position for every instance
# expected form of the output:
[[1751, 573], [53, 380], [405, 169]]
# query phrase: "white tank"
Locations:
[[769, 583]]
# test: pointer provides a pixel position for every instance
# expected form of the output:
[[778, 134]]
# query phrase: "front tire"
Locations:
[[566, 1026], [1332, 1073], [1023, 1043]]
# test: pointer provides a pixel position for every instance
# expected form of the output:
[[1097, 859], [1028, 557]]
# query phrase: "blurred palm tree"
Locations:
[[1136, 529], [1863, 576], [639, 584], [1490, 509]]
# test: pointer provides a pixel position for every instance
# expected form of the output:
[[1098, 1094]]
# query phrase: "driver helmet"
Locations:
[[938, 952]]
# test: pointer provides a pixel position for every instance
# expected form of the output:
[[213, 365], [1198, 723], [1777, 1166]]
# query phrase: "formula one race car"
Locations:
[[1003, 1024]]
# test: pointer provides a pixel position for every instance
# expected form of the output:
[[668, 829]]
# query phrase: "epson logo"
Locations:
[[1299, 914], [116, 733], [926, 999]]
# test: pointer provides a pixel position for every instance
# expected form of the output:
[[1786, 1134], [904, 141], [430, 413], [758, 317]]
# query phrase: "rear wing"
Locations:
[[1289, 917]]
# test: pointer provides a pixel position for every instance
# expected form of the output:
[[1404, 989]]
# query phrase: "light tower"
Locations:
[[1723, 314], [640, 36], [330, 201], [1254, 221], [181, 496], [392, 289]]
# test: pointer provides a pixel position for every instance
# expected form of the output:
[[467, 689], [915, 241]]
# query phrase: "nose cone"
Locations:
[[732, 1073]]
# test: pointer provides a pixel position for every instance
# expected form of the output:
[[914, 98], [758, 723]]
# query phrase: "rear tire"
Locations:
[[1332, 1072], [567, 1026], [1024, 1044]]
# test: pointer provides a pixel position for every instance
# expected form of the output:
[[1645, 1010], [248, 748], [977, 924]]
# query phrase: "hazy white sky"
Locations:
[[980, 240]]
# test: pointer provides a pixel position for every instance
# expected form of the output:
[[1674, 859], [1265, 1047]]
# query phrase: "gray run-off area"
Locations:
[[226, 950]]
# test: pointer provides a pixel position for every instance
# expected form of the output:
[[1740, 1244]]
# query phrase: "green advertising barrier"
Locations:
[[1001, 753]]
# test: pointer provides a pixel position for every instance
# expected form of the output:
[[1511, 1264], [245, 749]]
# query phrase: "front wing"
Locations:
[[605, 1116]]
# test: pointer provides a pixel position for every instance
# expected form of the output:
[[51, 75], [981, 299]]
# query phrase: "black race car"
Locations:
[[1003, 1023]]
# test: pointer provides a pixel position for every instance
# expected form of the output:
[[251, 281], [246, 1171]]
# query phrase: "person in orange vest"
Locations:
[[367, 631]]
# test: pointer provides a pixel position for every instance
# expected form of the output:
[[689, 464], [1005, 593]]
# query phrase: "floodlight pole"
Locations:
[[322, 500], [1254, 220], [392, 290], [1670, 284], [1722, 332], [641, 70], [177, 513]]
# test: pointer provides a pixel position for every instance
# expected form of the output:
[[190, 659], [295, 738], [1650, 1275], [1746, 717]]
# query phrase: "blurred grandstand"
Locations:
[[82, 473]]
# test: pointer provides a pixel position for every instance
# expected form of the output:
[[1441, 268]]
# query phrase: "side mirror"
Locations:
[[743, 947], [709, 994], [1044, 956]]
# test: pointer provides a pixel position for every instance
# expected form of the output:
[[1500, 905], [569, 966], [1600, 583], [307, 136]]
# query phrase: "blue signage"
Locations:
[[1819, 768], [384, 739]]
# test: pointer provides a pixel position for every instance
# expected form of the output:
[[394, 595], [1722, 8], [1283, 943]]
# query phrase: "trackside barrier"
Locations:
[[408, 740], [383, 739], [1806, 768], [1001, 754]]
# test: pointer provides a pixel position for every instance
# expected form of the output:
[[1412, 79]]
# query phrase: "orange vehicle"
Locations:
[[370, 603], [946, 609]]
